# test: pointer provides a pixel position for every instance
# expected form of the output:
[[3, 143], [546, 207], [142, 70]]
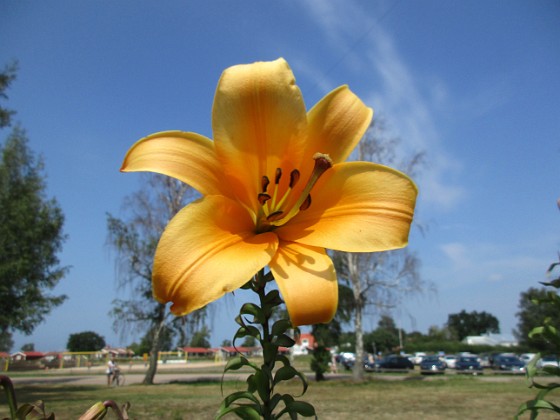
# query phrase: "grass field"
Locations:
[[392, 397]]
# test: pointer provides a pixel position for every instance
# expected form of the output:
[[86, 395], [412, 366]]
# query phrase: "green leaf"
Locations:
[[283, 341], [237, 362], [255, 311], [246, 412], [303, 408], [281, 326], [273, 298], [285, 373]]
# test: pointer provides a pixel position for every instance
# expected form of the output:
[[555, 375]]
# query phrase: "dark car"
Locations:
[[468, 364], [431, 365], [510, 364], [394, 363]]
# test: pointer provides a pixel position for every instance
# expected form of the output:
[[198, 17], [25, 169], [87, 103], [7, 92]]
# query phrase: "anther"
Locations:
[[275, 216], [294, 178], [263, 198], [264, 182], [306, 203], [278, 176]]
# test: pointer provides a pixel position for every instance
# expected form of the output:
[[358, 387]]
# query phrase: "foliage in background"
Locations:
[[7, 76], [550, 333], [85, 341], [533, 314], [31, 237], [464, 324]]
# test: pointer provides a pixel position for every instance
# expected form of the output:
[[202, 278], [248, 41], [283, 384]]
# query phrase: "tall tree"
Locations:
[[533, 314], [31, 237], [85, 341], [466, 323], [7, 76], [380, 281], [135, 239]]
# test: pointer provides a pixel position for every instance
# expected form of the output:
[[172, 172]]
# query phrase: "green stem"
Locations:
[[269, 350]]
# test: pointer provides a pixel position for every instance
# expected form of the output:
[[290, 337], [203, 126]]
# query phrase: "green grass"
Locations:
[[393, 397]]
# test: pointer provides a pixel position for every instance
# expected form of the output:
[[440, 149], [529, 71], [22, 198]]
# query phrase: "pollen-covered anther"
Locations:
[[275, 216], [306, 203], [264, 183], [322, 162], [263, 198], [294, 178]]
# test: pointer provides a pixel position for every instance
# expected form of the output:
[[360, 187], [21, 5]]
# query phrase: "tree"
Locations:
[[464, 324], [532, 314], [379, 281], [31, 237], [135, 239], [201, 338], [6, 342], [7, 76], [85, 341], [28, 347]]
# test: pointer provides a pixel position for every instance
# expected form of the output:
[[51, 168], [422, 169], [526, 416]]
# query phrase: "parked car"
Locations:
[[450, 360], [346, 359], [507, 363], [417, 358], [394, 363], [549, 360], [527, 357], [468, 364], [431, 365]]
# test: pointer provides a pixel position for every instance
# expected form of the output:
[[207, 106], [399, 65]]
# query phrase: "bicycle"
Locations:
[[118, 377]]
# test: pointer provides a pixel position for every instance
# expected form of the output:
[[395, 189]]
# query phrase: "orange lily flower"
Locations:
[[276, 191]]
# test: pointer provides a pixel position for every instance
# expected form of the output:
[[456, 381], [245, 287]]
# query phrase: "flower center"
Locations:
[[275, 210]]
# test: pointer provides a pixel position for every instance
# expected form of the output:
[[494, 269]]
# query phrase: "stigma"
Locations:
[[277, 210]]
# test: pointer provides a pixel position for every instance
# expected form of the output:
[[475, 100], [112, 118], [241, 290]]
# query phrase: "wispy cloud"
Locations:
[[409, 103]]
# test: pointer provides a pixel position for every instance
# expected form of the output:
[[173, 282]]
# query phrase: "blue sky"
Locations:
[[474, 84]]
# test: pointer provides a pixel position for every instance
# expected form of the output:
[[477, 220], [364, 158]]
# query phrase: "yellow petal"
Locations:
[[208, 249], [356, 207], [307, 281], [258, 120], [337, 123], [188, 157]]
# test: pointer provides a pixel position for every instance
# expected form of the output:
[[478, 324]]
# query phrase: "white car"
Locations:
[[450, 360], [526, 357], [417, 358]]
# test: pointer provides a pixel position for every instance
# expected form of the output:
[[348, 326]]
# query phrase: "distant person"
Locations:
[[110, 371]]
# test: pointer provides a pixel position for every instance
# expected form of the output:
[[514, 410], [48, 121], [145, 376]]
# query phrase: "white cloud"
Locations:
[[408, 102]]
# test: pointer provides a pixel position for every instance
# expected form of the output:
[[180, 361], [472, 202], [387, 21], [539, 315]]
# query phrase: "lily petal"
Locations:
[[258, 121], [208, 249], [307, 281], [188, 157], [337, 123], [357, 207]]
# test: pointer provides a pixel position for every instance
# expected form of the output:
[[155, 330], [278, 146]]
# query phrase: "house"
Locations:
[[228, 351], [116, 352], [198, 351], [490, 340], [304, 344], [27, 355]]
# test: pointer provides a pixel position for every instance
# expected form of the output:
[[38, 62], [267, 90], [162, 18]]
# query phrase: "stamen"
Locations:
[[264, 182], [294, 178], [306, 203], [276, 182], [278, 176], [322, 163], [263, 198], [275, 216]]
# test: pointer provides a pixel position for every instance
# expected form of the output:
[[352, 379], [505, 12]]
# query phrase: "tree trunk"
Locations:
[[154, 352], [354, 275]]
